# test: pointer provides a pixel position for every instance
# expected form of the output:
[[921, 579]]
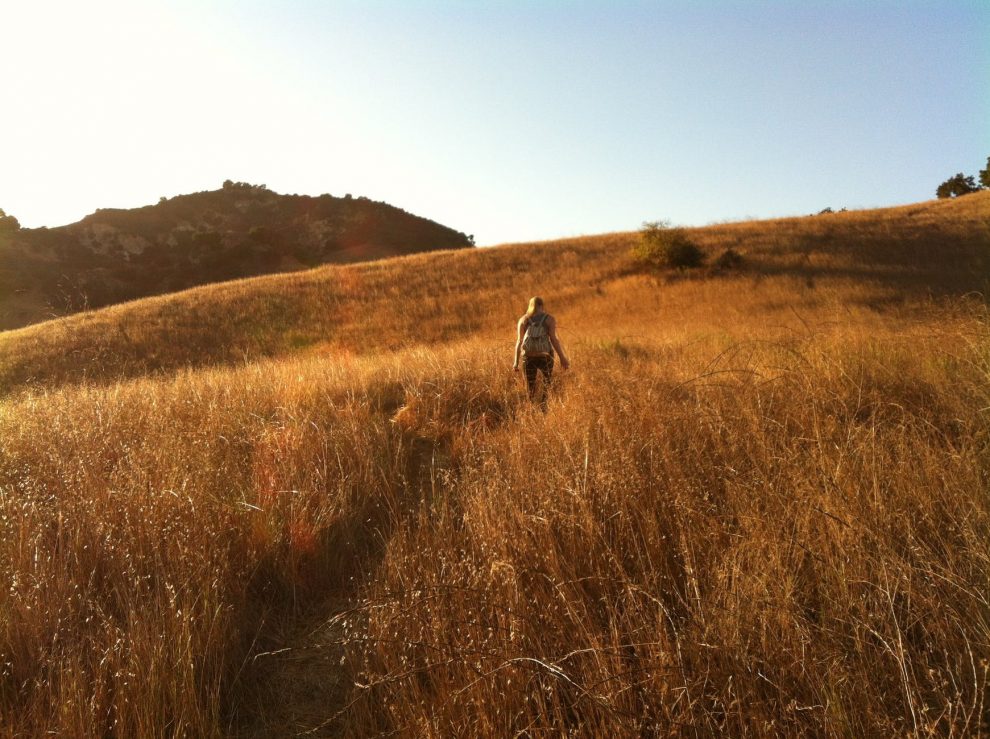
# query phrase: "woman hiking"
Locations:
[[536, 340]]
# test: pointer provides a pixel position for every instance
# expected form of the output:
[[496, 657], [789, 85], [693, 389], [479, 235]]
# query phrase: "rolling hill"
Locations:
[[117, 255], [321, 503], [891, 255]]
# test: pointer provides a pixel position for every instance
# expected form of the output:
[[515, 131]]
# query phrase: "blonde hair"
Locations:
[[534, 303]]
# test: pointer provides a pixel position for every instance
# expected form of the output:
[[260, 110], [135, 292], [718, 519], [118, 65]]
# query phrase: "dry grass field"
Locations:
[[320, 504]]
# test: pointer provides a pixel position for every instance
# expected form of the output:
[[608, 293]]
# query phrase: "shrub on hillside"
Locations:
[[231, 185], [661, 245], [985, 175], [8, 223], [728, 259]]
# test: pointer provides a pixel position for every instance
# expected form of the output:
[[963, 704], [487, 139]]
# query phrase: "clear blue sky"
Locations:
[[509, 120]]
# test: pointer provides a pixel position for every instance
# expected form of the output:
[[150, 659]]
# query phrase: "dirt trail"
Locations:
[[302, 681]]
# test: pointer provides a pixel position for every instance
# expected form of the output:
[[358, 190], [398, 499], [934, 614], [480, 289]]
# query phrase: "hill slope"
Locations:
[[755, 506], [116, 255], [889, 255]]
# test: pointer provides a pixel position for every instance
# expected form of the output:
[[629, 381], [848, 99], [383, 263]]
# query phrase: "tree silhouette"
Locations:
[[985, 175], [955, 186]]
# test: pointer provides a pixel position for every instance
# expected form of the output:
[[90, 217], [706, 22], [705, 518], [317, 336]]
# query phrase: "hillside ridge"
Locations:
[[931, 248], [241, 230]]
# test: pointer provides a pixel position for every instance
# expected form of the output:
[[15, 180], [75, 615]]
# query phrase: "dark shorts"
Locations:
[[532, 366]]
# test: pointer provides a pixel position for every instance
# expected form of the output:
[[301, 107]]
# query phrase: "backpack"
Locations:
[[536, 341]]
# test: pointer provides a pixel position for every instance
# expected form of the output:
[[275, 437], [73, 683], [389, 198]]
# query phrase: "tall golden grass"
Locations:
[[873, 257], [758, 505]]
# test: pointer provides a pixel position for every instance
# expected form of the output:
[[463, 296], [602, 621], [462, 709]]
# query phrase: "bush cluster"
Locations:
[[662, 245]]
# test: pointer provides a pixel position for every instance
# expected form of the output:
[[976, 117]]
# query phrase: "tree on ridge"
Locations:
[[957, 185]]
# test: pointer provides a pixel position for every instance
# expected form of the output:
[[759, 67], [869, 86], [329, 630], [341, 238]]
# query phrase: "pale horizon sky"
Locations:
[[513, 121]]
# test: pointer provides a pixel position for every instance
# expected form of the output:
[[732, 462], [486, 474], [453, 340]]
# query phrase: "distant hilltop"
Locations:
[[240, 230]]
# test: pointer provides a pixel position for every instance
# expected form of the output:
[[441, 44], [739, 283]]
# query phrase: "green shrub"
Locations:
[[661, 245]]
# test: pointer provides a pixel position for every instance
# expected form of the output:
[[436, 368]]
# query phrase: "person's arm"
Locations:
[[552, 326], [519, 338]]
